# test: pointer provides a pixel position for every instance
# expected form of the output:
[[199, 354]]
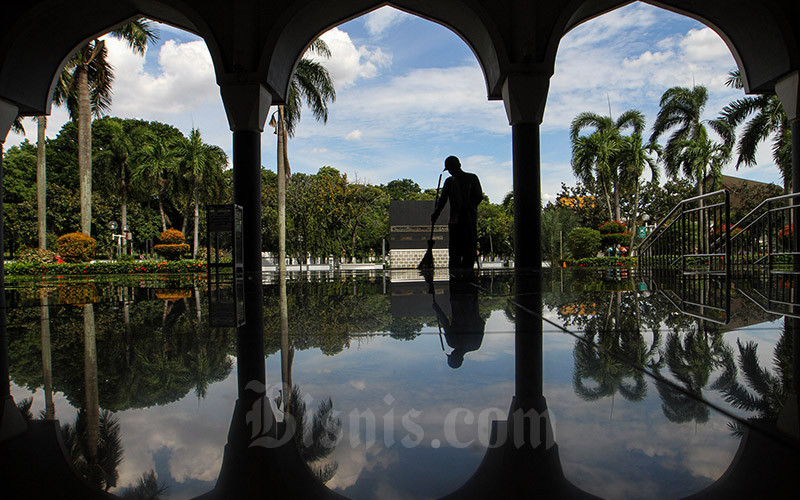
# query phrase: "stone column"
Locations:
[[11, 422], [524, 97], [246, 106], [788, 90]]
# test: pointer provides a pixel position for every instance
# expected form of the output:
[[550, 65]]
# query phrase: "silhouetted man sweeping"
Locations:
[[463, 191]]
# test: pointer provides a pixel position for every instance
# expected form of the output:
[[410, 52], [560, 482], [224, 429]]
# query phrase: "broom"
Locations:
[[427, 260]]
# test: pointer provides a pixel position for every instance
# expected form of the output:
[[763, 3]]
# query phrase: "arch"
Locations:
[[469, 22], [761, 51], [41, 40]]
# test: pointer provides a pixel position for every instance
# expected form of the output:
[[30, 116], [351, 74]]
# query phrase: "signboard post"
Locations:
[[225, 275]]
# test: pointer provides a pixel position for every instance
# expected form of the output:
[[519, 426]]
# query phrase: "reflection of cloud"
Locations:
[[359, 384]]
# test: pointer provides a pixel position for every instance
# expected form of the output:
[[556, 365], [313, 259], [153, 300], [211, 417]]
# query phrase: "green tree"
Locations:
[[158, 161], [583, 242], [597, 158], [689, 149], [203, 165], [764, 117], [557, 223], [403, 189], [85, 87], [310, 81]]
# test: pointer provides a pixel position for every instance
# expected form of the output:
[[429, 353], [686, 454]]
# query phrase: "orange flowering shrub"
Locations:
[[76, 247], [172, 245]]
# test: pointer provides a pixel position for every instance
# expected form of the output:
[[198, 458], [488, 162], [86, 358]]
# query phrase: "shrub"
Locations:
[[76, 247], [172, 245], [172, 237], [612, 227], [38, 256], [610, 240], [171, 252], [583, 242]]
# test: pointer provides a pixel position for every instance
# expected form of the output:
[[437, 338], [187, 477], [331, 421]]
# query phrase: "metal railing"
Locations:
[[703, 296], [693, 238], [763, 239]]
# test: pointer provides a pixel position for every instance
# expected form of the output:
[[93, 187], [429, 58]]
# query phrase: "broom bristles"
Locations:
[[427, 259]]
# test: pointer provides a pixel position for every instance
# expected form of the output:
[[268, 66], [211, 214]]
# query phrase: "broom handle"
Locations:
[[436, 202]]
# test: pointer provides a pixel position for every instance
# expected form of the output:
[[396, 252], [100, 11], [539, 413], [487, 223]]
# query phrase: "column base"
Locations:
[[789, 418], [11, 421]]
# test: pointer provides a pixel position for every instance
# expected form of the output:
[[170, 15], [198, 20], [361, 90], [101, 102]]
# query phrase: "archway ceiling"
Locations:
[[257, 41]]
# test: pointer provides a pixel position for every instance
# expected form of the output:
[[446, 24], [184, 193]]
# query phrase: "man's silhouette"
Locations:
[[463, 191], [464, 332]]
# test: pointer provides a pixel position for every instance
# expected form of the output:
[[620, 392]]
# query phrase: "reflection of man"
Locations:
[[463, 191], [464, 333]]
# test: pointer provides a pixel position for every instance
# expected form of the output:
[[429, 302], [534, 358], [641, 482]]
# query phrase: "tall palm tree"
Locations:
[[765, 117], [156, 163], [681, 111], [119, 157], [635, 157], [86, 89], [204, 166], [597, 159], [310, 81]]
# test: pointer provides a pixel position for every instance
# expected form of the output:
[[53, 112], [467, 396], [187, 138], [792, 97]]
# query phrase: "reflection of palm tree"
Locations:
[[91, 395], [692, 362], [47, 364], [316, 441], [770, 390], [146, 488], [609, 371], [617, 367], [95, 458]]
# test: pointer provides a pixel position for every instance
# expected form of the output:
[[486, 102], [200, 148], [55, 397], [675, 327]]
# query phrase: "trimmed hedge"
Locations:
[[137, 267], [76, 247], [604, 262], [172, 245], [612, 227]]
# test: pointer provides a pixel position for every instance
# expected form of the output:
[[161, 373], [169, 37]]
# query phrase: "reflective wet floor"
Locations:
[[404, 387]]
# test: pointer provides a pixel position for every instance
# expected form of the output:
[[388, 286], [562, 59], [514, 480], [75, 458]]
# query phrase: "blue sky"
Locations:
[[410, 93]]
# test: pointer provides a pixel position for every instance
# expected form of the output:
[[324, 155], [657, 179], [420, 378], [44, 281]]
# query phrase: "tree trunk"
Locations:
[[196, 239], [123, 203], [41, 182], [616, 204], [85, 150], [281, 194], [163, 214]]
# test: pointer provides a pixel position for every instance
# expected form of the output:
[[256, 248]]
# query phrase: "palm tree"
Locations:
[[204, 166], [597, 159], [119, 157], [766, 118], [681, 111], [313, 82], [147, 487], [635, 156], [85, 87], [157, 161]]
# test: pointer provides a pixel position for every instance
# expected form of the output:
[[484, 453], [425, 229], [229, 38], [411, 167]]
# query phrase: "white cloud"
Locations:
[[379, 21], [185, 82], [354, 135], [349, 63]]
